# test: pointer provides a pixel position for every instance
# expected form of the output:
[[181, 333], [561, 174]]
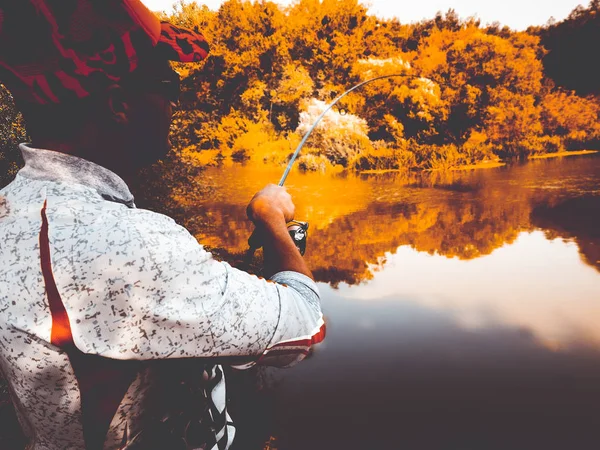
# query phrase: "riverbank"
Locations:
[[481, 165], [487, 164], [563, 154], [311, 163]]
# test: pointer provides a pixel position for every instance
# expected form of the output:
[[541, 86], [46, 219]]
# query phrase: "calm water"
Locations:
[[463, 310]]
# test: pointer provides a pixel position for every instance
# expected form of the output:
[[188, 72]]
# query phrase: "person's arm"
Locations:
[[301, 323], [149, 290]]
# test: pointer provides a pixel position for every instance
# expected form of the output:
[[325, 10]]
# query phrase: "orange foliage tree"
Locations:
[[470, 93]]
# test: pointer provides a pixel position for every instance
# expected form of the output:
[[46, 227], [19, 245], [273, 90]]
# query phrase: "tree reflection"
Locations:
[[453, 229], [356, 220], [578, 219]]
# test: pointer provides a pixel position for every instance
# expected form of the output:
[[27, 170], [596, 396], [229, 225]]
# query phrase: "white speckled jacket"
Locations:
[[133, 289]]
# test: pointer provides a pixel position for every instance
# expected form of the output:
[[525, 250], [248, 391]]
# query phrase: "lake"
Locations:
[[463, 309]]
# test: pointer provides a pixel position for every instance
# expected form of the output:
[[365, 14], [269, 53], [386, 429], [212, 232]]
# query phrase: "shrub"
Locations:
[[477, 148], [338, 137], [437, 157], [313, 163], [384, 158]]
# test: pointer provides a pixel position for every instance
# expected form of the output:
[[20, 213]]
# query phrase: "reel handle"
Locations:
[[298, 232]]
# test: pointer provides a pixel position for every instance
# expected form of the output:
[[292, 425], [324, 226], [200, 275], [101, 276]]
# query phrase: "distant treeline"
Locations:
[[471, 92]]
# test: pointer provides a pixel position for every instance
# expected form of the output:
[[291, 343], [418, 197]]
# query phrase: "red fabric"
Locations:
[[52, 51], [296, 347], [60, 335]]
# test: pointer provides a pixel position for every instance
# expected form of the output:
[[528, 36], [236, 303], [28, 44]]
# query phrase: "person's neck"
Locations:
[[105, 155]]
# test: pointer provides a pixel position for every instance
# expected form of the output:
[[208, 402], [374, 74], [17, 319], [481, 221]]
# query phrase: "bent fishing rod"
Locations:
[[299, 230]]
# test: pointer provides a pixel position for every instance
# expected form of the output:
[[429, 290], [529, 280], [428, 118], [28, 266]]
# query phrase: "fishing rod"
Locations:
[[299, 230]]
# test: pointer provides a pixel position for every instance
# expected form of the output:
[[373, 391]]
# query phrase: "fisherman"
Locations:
[[114, 320]]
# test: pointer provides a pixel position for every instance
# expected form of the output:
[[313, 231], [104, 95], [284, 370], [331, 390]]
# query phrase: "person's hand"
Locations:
[[271, 203], [270, 210]]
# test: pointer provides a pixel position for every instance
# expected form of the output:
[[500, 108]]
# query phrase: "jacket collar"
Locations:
[[48, 165]]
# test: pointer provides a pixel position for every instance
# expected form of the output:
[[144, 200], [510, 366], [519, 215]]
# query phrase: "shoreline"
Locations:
[[565, 153], [477, 166], [487, 164], [481, 165]]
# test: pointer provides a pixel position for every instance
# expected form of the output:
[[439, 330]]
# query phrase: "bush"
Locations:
[[552, 144], [477, 148], [437, 157], [384, 158], [537, 145], [338, 137], [313, 163]]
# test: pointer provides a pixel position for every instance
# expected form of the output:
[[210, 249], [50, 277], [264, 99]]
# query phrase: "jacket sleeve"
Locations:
[[151, 291], [301, 323]]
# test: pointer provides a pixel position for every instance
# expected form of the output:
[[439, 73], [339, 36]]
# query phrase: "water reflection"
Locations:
[[577, 218], [356, 220], [548, 292], [462, 309]]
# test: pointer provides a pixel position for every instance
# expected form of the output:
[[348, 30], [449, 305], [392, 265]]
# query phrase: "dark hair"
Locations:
[[64, 121]]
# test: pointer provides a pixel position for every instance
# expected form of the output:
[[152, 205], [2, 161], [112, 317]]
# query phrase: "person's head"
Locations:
[[124, 124], [94, 78]]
